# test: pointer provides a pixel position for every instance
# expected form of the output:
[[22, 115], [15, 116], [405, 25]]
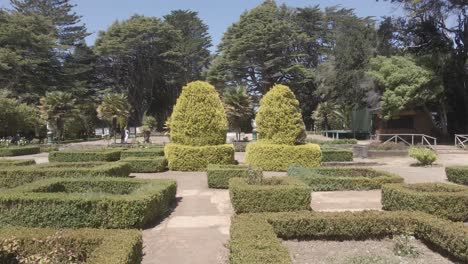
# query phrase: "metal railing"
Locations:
[[461, 140], [425, 139]]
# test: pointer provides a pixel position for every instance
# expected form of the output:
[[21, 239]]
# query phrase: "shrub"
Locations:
[[198, 118], [240, 146], [340, 179], [85, 155], [457, 174], [154, 164], [142, 152], [274, 157], [279, 118], [12, 177], [197, 158], [48, 149], [276, 194], [93, 246], [254, 237], [219, 175], [19, 151], [8, 163], [424, 156], [440, 199], [85, 202], [343, 141], [336, 155]]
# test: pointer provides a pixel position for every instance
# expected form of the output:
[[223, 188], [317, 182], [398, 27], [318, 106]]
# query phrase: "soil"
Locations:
[[358, 252]]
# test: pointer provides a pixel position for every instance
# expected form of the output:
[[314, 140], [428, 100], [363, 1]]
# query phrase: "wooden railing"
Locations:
[[424, 139], [461, 140]]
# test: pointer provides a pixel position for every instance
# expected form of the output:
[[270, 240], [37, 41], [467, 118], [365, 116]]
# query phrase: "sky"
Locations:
[[217, 14]]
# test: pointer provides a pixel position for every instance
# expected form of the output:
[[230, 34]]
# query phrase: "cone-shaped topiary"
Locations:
[[279, 118], [198, 118]]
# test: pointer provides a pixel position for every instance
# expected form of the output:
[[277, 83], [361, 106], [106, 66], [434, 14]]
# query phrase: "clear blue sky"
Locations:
[[217, 14]]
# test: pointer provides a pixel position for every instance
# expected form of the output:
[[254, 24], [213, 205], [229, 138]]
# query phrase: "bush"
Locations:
[[277, 194], [12, 177], [336, 155], [254, 237], [84, 155], [219, 175], [440, 199], [196, 158], [19, 151], [154, 164], [341, 179], [279, 118], [48, 149], [142, 152], [93, 246], [198, 118], [240, 146], [457, 174], [8, 163], [424, 156], [85, 202], [343, 141], [274, 157]]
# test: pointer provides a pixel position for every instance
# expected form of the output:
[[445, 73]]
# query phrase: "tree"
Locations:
[[149, 123], [55, 108], [115, 109], [239, 109], [330, 116]]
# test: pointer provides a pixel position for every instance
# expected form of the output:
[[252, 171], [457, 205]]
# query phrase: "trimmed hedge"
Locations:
[[84, 155], [101, 246], [142, 153], [8, 163], [274, 157], [340, 179], [277, 194], [19, 151], [457, 174], [85, 202], [444, 200], [15, 176], [254, 237], [330, 155], [219, 175], [148, 164], [196, 158]]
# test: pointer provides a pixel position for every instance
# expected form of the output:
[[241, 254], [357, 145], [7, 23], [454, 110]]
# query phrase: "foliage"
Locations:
[[219, 175], [16, 116], [55, 108], [86, 203], [279, 119], [150, 122], [331, 116], [19, 151], [19, 162], [198, 118], [146, 164], [424, 156], [239, 108], [336, 155], [84, 155], [342, 179], [279, 194], [334, 142], [402, 246], [114, 108], [142, 153], [457, 174], [196, 158]]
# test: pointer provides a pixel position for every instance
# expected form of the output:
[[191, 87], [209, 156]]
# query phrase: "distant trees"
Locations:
[[115, 109], [239, 108], [55, 108]]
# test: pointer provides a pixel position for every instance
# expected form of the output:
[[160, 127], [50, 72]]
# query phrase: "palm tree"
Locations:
[[238, 105], [55, 107], [115, 109]]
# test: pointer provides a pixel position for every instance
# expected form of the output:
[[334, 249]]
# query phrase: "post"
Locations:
[[412, 139]]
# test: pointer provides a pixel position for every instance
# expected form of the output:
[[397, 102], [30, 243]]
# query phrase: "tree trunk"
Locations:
[[114, 128]]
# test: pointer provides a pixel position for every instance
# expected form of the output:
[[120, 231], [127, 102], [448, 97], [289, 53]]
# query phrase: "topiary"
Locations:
[[198, 118], [279, 118]]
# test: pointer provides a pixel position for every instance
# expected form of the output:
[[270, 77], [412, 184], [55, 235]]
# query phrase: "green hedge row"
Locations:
[[219, 175], [274, 157], [8, 163], [84, 155], [445, 200], [341, 179], [85, 202], [15, 176], [97, 245], [196, 158], [457, 174], [254, 237], [335, 155], [19, 151], [277, 194], [142, 153], [148, 164]]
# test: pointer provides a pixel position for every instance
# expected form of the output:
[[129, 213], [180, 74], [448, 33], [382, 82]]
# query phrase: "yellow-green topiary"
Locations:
[[279, 118], [198, 118], [196, 158]]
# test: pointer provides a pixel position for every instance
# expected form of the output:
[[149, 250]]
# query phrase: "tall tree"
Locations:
[[55, 108], [115, 109], [239, 108]]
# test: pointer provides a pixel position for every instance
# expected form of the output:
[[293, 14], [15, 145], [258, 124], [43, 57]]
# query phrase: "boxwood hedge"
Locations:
[[99, 246], [457, 174], [19, 151], [254, 237], [196, 158], [15, 176], [142, 153], [9, 162], [335, 155], [275, 157], [277, 194], [85, 202], [219, 175], [340, 179], [445, 200], [85, 155], [146, 164]]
